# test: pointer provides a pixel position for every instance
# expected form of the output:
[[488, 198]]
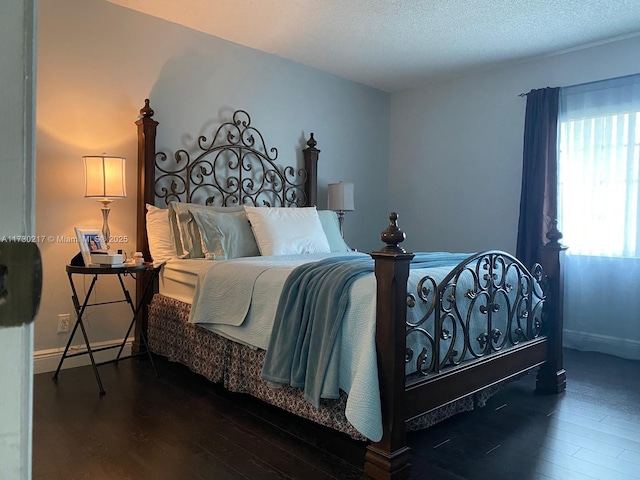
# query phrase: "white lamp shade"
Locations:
[[341, 197], [104, 176]]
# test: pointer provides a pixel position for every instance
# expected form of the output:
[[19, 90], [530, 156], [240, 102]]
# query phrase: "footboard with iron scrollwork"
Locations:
[[487, 321], [488, 303]]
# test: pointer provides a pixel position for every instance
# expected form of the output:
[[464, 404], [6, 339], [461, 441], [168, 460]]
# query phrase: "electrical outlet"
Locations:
[[63, 322]]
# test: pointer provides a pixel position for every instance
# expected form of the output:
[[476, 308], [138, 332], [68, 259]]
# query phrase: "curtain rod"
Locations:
[[587, 83], [525, 94]]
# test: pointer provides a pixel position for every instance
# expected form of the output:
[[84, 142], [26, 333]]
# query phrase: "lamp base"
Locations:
[[341, 221], [106, 233]]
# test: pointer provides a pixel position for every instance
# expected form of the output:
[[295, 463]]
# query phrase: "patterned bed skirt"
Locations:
[[238, 368]]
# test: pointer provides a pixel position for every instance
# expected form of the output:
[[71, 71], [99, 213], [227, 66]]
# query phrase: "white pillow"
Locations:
[[285, 231], [159, 235], [331, 227]]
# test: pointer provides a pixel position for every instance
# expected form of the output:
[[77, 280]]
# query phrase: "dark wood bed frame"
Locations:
[[401, 401]]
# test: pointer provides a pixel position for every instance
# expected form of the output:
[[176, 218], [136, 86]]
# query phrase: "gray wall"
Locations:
[[456, 146], [98, 62], [456, 162]]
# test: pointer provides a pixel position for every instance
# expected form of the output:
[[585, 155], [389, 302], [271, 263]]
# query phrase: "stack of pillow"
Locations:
[[189, 230]]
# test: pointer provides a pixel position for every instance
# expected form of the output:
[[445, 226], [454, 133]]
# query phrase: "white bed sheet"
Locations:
[[179, 277]]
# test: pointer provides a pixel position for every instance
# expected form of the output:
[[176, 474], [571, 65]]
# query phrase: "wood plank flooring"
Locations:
[[181, 427]]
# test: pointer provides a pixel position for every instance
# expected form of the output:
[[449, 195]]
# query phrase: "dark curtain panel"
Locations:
[[539, 198]]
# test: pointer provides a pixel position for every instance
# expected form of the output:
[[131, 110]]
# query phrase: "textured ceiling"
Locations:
[[397, 44]]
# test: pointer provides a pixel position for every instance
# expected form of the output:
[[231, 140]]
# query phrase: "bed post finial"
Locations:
[[389, 458], [312, 141], [552, 377], [311, 154], [146, 194], [392, 236], [146, 111], [554, 235]]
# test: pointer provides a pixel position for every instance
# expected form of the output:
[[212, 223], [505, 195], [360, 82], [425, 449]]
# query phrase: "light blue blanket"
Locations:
[[303, 351]]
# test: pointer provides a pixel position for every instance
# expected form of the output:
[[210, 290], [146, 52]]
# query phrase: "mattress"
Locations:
[[179, 278]]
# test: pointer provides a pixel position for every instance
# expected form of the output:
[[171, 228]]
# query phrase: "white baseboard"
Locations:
[[592, 342], [47, 360]]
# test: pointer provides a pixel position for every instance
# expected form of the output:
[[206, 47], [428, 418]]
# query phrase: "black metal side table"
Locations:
[[96, 272]]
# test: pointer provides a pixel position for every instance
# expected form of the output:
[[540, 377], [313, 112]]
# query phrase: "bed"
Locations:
[[437, 334]]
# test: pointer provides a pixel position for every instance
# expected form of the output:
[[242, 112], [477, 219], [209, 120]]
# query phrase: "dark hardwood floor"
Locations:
[[181, 427]]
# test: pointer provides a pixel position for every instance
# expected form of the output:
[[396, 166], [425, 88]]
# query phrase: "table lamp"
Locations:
[[104, 179], [341, 200]]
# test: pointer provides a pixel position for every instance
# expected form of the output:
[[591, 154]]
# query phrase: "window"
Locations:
[[599, 167]]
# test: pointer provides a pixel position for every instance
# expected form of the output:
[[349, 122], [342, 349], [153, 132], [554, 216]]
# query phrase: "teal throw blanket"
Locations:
[[303, 350]]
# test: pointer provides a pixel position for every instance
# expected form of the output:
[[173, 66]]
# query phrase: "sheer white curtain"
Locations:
[[599, 214]]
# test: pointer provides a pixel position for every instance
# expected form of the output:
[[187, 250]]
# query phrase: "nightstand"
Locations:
[[96, 273]]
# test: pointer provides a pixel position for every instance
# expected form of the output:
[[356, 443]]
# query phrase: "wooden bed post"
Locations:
[[146, 194], [551, 376], [388, 459], [311, 166]]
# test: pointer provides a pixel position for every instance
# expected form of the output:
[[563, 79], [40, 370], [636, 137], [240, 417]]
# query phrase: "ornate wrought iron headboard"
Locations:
[[234, 168]]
